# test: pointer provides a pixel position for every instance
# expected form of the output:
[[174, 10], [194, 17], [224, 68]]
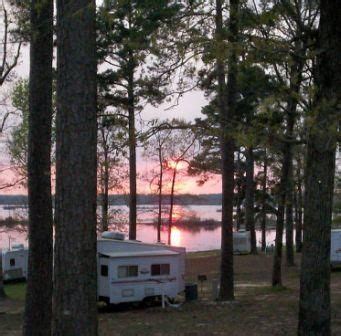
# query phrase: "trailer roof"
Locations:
[[121, 254], [127, 241]]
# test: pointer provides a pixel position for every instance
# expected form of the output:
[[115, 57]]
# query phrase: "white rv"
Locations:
[[241, 242], [14, 263], [132, 271], [335, 248]]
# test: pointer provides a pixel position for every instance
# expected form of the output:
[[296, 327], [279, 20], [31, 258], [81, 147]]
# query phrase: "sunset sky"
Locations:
[[189, 108]]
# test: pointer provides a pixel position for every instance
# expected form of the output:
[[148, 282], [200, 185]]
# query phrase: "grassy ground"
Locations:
[[16, 291], [258, 309]]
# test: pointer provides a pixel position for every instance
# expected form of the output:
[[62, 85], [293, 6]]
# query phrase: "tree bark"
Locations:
[[299, 207], [286, 183], [227, 107], [295, 210], [289, 217], [264, 195], [159, 217], [105, 200], [75, 271], [105, 188], [277, 261], [2, 289], [132, 138], [132, 158], [170, 220], [314, 306], [295, 84], [250, 199], [38, 304], [239, 196]]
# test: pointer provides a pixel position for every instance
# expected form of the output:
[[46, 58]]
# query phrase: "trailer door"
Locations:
[[336, 247], [103, 278]]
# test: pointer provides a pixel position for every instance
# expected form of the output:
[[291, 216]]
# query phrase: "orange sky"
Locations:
[[188, 108], [188, 185], [184, 185]]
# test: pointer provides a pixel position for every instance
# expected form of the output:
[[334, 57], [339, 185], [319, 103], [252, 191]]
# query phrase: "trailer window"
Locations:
[[127, 271], [160, 269], [12, 262], [104, 270]]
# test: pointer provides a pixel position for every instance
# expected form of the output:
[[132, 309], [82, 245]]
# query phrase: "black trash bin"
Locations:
[[191, 291]]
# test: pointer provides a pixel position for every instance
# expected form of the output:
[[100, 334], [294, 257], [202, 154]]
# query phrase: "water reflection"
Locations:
[[176, 236], [195, 227]]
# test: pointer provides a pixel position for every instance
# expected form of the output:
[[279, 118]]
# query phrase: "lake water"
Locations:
[[194, 237]]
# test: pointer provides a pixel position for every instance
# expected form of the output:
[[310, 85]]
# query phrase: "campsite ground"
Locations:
[[258, 309]]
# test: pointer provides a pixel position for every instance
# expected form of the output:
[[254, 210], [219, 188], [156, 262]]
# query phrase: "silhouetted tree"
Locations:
[[226, 93], [129, 43], [110, 166], [75, 269], [314, 307], [38, 304]]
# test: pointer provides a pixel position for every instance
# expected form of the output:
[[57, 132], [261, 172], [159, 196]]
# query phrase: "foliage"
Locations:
[[18, 141], [111, 152], [129, 47]]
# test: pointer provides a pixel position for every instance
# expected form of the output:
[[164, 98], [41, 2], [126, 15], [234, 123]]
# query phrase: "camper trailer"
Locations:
[[132, 271], [241, 242], [14, 263], [335, 248]]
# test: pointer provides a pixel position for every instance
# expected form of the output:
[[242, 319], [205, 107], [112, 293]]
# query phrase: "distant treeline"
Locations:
[[115, 199]]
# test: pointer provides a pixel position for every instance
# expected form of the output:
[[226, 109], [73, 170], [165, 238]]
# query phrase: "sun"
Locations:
[[178, 165]]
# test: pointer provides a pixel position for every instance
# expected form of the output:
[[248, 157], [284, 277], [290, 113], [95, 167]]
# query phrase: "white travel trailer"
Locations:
[[132, 271], [241, 242], [335, 248], [14, 263]]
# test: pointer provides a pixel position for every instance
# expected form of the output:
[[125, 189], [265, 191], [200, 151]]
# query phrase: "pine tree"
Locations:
[[226, 93], [75, 268], [38, 304], [129, 42], [111, 172], [314, 307]]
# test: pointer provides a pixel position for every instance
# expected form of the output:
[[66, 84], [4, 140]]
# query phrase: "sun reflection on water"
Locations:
[[175, 236]]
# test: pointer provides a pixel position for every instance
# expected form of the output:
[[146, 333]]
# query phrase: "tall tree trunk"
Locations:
[[295, 209], [314, 306], [299, 207], [227, 108], [277, 261], [2, 289], [264, 195], [132, 158], [289, 217], [75, 271], [170, 220], [105, 196], [286, 183], [239, 206], [159, 217], [239, 195], [295, 84], [250, 198], [132, 139], [38, 304]]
